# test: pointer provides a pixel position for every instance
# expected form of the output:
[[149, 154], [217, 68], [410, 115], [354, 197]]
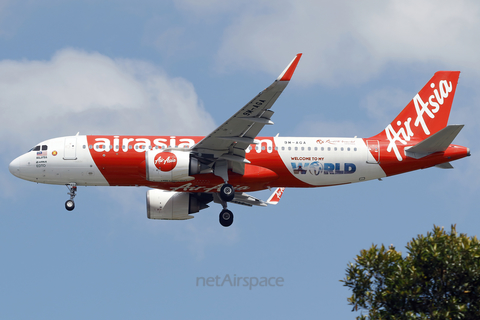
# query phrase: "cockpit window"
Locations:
[[38, 148]]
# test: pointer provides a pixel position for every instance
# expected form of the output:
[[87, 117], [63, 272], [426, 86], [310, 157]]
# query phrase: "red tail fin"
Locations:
[[426, 114]]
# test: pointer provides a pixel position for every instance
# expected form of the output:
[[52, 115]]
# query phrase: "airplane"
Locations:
[[186, 173]]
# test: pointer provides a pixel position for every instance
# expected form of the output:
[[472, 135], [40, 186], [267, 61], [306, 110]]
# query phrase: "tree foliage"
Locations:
[[439, 278]]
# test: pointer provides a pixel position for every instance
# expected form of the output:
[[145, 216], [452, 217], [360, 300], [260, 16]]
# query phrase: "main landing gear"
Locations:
[[70, 204], [226, 218], [227, 193]]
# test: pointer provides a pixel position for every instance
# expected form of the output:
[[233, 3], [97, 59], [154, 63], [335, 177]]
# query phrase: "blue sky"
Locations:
[[183, 67]]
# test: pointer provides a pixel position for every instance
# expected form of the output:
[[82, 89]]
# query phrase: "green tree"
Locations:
[[438, 279]]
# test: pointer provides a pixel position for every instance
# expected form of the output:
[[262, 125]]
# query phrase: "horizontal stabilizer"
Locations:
[[437, 142], [446, 165]]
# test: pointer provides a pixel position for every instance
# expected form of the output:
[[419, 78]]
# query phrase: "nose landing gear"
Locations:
[[70, 204]]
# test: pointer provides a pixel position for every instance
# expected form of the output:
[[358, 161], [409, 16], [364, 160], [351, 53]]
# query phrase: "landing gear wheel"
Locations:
[[72, 188], [69, 205], [226, 218], [227, 193]]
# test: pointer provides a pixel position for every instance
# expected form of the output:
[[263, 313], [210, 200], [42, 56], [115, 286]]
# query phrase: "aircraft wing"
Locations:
[[229, 141]]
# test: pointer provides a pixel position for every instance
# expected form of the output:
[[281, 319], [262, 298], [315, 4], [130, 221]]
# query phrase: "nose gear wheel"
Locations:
[[70, 204]]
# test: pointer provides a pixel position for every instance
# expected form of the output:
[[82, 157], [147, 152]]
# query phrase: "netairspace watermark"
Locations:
[[235, 281]]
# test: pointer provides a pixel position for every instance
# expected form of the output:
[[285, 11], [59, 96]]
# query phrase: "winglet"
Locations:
[[288, 72], [276, 195]]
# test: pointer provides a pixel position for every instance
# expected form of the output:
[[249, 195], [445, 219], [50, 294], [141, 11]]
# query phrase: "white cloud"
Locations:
[[422, 31], [351, 41], [93, 94]]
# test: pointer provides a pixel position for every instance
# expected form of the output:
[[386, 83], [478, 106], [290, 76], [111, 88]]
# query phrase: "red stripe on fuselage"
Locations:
[[121, 160]]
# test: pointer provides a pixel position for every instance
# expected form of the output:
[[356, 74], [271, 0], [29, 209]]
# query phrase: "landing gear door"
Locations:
[[70, 148], [373, 151]]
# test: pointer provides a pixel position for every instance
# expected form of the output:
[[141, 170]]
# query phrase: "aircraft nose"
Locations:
[[14, 167]]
